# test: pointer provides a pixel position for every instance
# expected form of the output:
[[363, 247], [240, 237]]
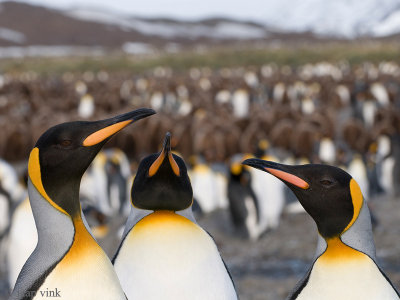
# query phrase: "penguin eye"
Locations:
[[65, 143], [327, 182]]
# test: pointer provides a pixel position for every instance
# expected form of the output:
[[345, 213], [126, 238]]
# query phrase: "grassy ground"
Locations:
[[354, 53]]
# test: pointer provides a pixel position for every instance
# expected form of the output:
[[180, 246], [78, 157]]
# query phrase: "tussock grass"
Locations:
[[354, 53]]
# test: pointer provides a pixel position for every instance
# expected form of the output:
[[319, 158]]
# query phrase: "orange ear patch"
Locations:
[[297, 181], [357, 199]]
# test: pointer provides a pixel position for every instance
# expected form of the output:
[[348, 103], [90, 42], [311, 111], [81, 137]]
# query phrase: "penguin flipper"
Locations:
[[27, 285]]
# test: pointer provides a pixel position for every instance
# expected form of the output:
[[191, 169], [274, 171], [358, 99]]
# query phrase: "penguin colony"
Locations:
[[364, 145]]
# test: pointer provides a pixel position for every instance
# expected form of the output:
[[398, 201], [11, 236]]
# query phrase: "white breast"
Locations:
[[347, 280], [85, 272], [166, 256], [91, 279]]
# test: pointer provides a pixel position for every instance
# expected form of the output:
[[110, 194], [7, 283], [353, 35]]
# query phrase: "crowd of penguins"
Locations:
[[323, 113]]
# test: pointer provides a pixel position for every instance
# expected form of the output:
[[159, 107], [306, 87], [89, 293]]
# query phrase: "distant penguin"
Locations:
[[327, 151], [86, 106], [221, 183], [67, 261], [270, 204], [22, 240], [345, 265], [105, 184], [164, 254], [240, 103], [358, 170], [204, 186], [243, 204], [379, 91], [157, 101], [385, 162], [11, 192]]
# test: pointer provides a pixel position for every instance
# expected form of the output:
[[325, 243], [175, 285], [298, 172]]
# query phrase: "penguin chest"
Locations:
[[166, 256], [85, 272], [352, 277]]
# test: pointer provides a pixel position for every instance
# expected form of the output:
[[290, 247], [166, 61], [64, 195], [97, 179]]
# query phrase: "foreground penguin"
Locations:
[[345, 264], [67, 262], [164, 254]]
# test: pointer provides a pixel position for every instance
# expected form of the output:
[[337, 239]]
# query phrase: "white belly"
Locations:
[[166, 256], [353, 280]]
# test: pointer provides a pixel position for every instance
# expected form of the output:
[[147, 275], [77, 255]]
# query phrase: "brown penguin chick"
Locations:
[[250, 137], [282, 133], [303, 141], [355, 135]]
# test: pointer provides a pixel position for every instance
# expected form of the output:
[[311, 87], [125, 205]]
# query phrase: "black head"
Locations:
[[162, 182], [328, 194], [63, 153]]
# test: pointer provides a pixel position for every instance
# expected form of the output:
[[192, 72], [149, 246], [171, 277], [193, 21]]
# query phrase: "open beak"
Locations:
[[165, 154], [283, 172], [107, 128]]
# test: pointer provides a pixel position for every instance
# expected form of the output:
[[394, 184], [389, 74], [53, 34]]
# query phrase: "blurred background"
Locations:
[[289, 81]]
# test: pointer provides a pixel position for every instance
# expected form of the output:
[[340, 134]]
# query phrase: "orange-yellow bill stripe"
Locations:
[[297, 181], [156, 164], [36, 177], [173, 164], [102, 134]]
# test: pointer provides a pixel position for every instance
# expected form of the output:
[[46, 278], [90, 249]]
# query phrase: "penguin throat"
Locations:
[[83, 246], [336, 251]]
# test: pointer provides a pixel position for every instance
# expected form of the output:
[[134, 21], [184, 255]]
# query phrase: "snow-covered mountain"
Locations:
[[24, 25], [338, 18], [169, 28], [344, 18]]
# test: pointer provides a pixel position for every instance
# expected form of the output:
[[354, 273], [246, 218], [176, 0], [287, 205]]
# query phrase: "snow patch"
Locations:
[[46, 51], [390, 25], [137, 48], [222, 30], [11, 35]]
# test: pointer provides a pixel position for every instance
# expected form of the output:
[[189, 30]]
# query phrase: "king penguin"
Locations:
[[164, 253], [345, 264], [67, 262]]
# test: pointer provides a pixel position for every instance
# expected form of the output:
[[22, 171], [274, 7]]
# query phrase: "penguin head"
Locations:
[[328, 194], [162, 182], [63, 153]]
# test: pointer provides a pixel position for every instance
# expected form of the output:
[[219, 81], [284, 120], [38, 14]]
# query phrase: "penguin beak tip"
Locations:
[[135, 115]]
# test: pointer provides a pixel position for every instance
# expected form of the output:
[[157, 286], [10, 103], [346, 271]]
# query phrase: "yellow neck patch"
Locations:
[[338, 251], [162, 218], [357, 199], [36, 178], [83, 246]]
